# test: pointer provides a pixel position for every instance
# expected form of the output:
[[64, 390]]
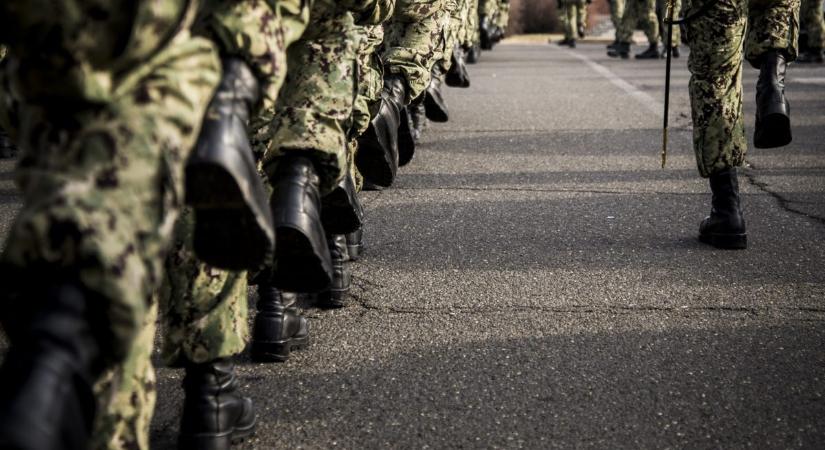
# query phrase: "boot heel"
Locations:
[[300, 266], [774, 128]]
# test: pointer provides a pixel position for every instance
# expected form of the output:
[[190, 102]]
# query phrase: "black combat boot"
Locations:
[[473, 53], [279, 326], [233, 226], [434, 104], [46, 397], [341, 211], [214, 414], [396, 87], [620, 50], [7, 148], [674, 52], [773, 120], [725, 227], [581, 32], [355, 244], [612, 45], [302, 261], [418, 117], [457, 76], [812, 55], [341, 281], [652, 52], [377, 156], [486, 31]]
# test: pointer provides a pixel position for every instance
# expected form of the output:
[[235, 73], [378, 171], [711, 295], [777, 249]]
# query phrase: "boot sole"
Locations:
[[227, 233], [371, 160], [433, 111], [773, 130], [275, 352], [337, 214], [725, 241], [299, 267]]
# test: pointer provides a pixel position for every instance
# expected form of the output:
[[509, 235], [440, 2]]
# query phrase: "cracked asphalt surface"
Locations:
[[534, 280]]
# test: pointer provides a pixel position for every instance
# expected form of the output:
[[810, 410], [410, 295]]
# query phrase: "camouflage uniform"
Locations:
[[413, 42], [813, 23], [575, 17], [314, 112], [642, 13], [616, 13], [488, 8], [717, 40], [503, 16], [470, 35], [203, 309]]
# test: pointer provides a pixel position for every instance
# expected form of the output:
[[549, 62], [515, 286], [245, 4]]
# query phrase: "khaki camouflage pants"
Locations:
[[717, 42], [813, 23], [414, 42], [314, 111], [488, 8], [503, 16], [574, 15], [616, 13], [643, 14]]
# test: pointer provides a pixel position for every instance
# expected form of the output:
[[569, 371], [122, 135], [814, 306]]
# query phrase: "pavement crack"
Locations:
[[783, 202]]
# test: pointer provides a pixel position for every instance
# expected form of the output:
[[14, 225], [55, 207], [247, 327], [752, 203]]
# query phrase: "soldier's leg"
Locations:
[[811, 19], [126, 395], [650, 25], [102, 187], [624, 32], [581, 18], [773, 30], [306, 157], [716, 40], [204, 316]]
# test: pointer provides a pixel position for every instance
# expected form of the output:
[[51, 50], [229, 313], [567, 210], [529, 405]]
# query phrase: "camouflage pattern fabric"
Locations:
[[314, 110], [813, 23], [716, 41], [413, 42], [102, 180], [503, 16], [471, 35], [127, 394], [643, 14], [575, 15], [616, 13], [488, 8]]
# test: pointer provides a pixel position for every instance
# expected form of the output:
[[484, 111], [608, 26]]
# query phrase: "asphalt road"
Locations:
[[534, 280]]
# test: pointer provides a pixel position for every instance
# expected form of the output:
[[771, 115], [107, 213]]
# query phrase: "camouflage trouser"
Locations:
[[716, 41], [314, 110], [503, 17], [450, 27], [471, 36], [616, 13], [677, 12], [642, 13], [413, 42], [488, 8], [575, 16], [813, 23]]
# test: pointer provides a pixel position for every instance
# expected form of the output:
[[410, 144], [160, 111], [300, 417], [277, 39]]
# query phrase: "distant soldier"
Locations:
[[574, 21], [642, 13], [724, 31]]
